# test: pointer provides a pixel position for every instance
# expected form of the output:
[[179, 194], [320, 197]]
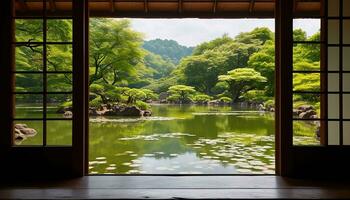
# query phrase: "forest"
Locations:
[[126, 69]]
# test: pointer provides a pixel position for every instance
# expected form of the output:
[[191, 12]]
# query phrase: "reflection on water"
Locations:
[[181, 140], [184, 140]]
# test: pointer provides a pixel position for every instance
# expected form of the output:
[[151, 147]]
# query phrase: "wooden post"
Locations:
[[80, 84], [7, 64], [284, 86]]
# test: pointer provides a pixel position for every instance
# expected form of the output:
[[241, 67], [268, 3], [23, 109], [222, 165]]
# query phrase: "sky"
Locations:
[[191, 32]]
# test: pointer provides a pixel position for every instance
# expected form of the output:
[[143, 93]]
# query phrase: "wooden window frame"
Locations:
[[44, 44]]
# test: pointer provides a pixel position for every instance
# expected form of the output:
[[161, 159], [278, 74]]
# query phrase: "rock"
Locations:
[[296, 112], [110, 113], [261, 107], [131, 111], [147, 113], [22, 132], [28, 132], [307, 114], [163, 101], [62, 110], [68, 114], [20, 126], [305, 108], [313, 117], [213, 102], [93, 111], [18, 135]]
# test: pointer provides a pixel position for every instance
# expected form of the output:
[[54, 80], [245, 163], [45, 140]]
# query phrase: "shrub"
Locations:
[[201, 98], [269, 103], [96, 102], [142, 105], [66, 104], [225, 99], [258, 96]]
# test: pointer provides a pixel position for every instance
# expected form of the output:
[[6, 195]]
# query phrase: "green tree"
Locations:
[[202, 98], [149, 95], [241, 80], [106, 93], [263, 61], [114, 51], [134, 94], [181, 93]]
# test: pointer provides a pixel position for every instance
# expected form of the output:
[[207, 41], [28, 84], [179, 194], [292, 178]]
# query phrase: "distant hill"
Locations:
[[168, 49]]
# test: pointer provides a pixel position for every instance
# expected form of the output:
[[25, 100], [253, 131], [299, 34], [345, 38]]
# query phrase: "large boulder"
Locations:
[[147, 113], [22, 132], [68, 114], [305, 108], [307, 114], [62, 110], [296, 112], [20, 126], [131, 111]]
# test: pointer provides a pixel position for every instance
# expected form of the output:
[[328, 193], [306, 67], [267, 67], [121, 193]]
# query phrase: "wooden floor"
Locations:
[[175, 187]]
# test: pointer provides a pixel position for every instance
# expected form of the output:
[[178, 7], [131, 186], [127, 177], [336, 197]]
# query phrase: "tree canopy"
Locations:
[[241, 80], [125, 68]]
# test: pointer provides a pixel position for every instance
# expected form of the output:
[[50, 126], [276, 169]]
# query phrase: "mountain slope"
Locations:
[[168, 49]]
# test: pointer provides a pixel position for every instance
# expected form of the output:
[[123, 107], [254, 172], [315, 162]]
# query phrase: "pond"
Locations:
[[178, 139]]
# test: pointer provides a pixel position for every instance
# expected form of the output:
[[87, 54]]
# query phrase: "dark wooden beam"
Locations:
[[179, 6], [23, 4], [295, 4], [284, 86], [251, 6], [324, 79], [7, 63], [80, 86], [112, 5], [52, 5], [215, 4], [145, 6]]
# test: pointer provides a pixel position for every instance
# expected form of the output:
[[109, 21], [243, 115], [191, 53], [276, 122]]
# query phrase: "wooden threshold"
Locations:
[[170, 187]]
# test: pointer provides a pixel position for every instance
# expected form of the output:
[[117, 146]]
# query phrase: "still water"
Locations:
[[177, 139]]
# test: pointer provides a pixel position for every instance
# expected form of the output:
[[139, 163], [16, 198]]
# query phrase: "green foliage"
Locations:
[[149, 95], [107, 93], [181, 93], [142, 105], [134, 94], [299, 35], [258, 36], [269, 103], [125, 69], [241, 80], [96, 102], [258, 96], [169, 50], [263, 61], [66, 104], [161, 67], [202, 98], [225, 99], [205, 46], [114, 51], [306, 82]]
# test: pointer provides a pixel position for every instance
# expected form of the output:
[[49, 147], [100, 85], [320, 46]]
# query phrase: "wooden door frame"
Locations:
[[44, 161], [290, 160]]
